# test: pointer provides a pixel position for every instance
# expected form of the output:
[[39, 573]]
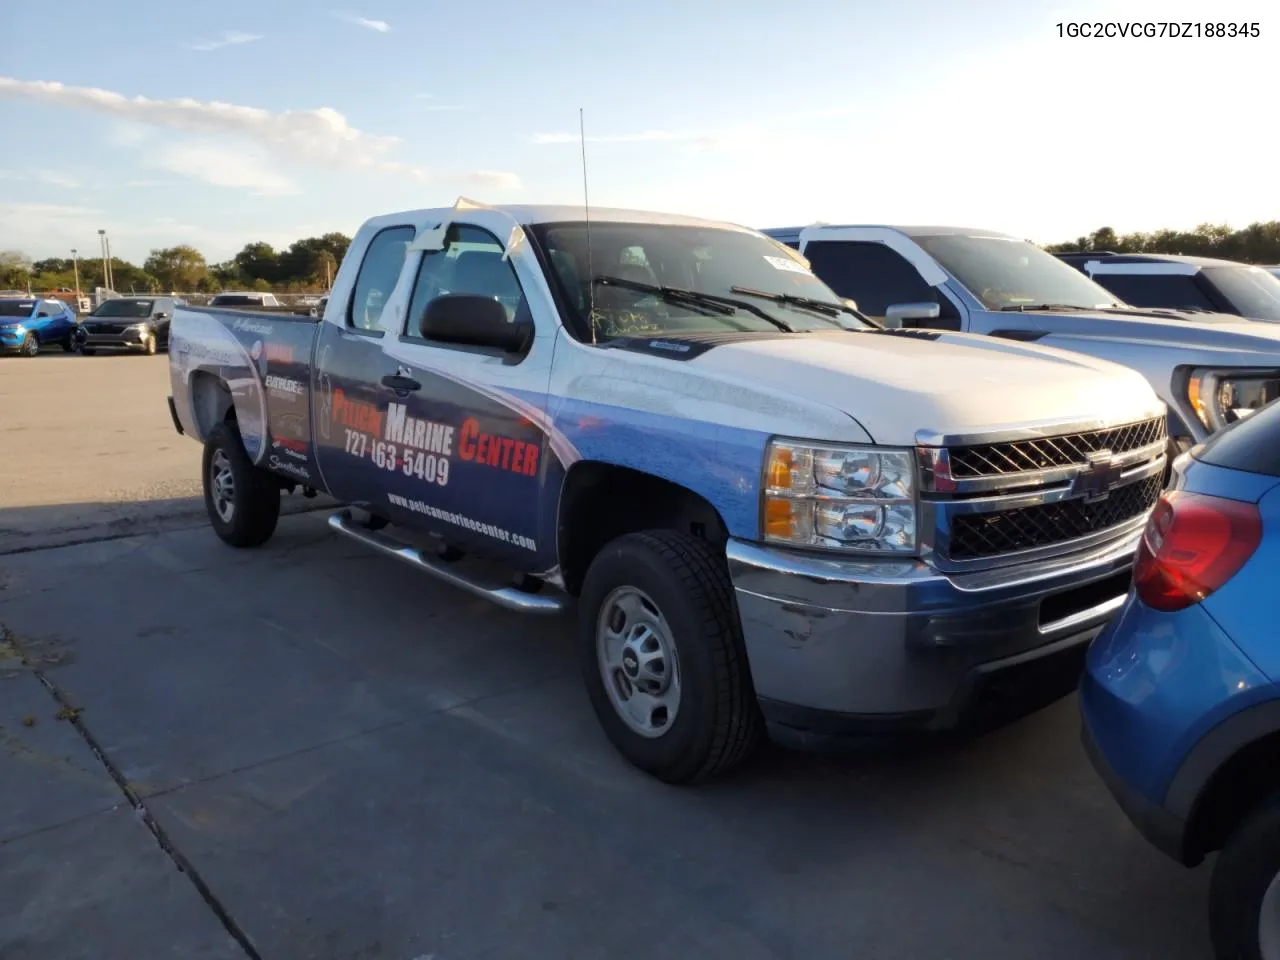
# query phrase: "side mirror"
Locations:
[[897, 314], [474, 321], [162, 315]]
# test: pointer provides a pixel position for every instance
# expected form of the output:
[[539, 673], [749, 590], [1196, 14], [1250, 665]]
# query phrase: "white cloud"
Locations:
[[223, 166], [229, 38], [320, 137], [51, 177], [381, 26], [646, 136]]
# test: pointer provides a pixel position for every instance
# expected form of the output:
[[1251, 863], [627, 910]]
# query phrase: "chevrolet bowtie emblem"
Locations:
[[1100, 473]]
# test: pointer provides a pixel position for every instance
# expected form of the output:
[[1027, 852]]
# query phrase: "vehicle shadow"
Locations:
[[46, 526]]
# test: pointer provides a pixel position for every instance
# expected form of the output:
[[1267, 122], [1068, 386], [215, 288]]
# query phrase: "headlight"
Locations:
[[1221, 397], [840, 497]]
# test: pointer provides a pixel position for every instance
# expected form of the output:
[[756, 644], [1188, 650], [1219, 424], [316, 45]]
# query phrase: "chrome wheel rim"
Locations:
[[1269, 922], [32, 345], [222, 486], [638, 663]]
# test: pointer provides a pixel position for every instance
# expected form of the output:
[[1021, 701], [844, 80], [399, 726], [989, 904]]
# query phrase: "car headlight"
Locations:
[[840, 497], [1221, 397]]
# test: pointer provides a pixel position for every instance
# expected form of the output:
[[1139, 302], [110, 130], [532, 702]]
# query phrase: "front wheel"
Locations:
[[662, 656], [1244, 894], [30, 345], [149, 346], [243, 501]]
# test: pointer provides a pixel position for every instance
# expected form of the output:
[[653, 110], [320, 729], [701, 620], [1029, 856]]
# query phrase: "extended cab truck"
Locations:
[[1209, 369], [768, 510]]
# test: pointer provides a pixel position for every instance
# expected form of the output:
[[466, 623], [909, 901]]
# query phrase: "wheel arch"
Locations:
[[601, 501], [211, 402], [1225, 776]]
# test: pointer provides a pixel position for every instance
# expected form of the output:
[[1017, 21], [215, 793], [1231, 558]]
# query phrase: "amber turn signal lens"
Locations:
[[780, 469], [777, 518]]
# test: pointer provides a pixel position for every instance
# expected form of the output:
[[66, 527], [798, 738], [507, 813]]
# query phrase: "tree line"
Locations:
[[1256, 243], [306, 266]]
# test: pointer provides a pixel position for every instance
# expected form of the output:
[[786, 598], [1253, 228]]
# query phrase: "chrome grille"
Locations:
[[998, 459], [980, 535]]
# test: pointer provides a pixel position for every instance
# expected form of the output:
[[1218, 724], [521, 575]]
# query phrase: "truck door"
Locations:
[[465, 454], [348, 400]]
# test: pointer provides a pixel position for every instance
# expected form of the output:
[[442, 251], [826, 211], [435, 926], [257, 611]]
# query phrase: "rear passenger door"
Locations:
[[470, 459], [348, 400], [876, 278]]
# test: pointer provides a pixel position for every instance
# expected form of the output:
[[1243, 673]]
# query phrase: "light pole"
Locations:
[[111, 272], [75, 265], [102, 243]]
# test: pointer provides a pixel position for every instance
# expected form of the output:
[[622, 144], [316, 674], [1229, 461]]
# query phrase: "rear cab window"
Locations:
[[379, 271]]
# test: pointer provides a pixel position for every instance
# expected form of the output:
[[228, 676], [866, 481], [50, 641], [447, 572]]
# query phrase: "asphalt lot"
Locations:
[[308, 751]]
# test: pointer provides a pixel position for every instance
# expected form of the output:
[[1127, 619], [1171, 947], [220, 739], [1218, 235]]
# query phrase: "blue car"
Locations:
[[27, 324], [1181, 694]]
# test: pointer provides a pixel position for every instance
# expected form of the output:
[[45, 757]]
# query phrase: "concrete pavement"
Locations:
[[306, 751]]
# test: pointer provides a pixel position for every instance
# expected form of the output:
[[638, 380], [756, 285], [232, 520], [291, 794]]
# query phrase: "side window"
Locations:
[[471, 262], [47, 310], [874, 276], [377, 277], [1156, 290]]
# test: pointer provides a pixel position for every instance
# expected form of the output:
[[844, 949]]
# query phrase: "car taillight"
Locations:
[[1192, 546]]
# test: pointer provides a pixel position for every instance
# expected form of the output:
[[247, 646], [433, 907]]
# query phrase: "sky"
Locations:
[[223, 124]]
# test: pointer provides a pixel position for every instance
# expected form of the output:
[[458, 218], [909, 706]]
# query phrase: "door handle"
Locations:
[[400, 383]]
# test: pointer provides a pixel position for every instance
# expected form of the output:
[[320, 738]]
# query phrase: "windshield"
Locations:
[[1251, 290], [700, 260], [16, 308], [124, 308], [1007, 274]]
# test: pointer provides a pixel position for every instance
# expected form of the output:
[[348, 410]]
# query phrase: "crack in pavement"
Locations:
[[72, 715]]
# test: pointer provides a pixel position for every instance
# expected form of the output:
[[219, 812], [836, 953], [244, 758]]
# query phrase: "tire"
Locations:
[[87, 351], [149, 348], [30, 345], [69, 344], [254, 497], [1247, 868], [716, 722]]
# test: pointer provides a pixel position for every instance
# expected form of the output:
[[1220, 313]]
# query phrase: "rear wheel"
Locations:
[[243, 500], [662, 656], [69, 344], [1244, 895]]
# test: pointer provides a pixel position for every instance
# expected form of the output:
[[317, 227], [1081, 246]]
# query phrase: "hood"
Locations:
[[898, 385], [1163, 328]]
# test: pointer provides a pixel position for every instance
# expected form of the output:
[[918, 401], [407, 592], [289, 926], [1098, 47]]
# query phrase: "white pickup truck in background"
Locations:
[[769, 511]]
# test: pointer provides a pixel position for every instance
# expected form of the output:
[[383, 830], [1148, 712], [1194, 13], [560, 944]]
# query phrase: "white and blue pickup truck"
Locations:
[[770, 513]]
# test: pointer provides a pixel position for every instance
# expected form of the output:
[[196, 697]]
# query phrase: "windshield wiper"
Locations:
[[725, 306], [824, 307], [1024, 307]]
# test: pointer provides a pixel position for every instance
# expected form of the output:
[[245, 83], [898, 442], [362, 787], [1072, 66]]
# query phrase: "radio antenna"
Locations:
[[586, 213]]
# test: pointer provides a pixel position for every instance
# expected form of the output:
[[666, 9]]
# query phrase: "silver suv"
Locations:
[[1211, 369]]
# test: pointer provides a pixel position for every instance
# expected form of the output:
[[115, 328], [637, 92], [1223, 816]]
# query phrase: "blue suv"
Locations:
[[28, 323], [1181, 695]]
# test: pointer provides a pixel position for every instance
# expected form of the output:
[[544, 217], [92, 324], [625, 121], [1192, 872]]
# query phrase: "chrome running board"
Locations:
[[511, 598]]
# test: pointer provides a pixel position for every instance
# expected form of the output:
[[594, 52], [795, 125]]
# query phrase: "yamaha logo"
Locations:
[[1096, 479]]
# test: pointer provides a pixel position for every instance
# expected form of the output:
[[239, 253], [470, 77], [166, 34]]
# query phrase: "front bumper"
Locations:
[[843, 648], [11, 342], [124, 340]]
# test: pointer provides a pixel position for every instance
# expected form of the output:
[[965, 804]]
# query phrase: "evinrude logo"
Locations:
[[1100, 474]]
